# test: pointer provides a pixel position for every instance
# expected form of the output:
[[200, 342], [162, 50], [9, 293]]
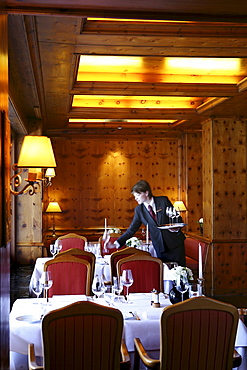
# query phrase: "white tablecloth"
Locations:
[[23, 331]]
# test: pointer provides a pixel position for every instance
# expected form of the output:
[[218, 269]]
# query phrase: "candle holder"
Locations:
[[200, 286], [148, 247]]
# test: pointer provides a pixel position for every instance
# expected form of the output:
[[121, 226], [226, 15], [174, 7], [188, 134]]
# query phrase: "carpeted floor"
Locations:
[[19, 282]]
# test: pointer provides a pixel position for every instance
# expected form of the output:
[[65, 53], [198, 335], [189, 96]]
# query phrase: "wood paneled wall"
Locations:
[[94, 178]]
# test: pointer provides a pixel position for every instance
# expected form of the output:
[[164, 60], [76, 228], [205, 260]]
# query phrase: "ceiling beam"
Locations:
[[159, 89], [190, 10], [120, 113]]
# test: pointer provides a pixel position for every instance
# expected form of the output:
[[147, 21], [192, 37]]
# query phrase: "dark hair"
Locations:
[[141, 187]]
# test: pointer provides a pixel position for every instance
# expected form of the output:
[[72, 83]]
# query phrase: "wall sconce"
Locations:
[[49, 173], [179, 206], [53, 207], [36, 154]]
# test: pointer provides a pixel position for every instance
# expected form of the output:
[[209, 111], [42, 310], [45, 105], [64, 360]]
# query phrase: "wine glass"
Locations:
[[36, 287], [169, 213], [127, 280], [58, 246], [117, 286], [173, 213], [183, 286], [53, 250], [46, 282], [98, 286]]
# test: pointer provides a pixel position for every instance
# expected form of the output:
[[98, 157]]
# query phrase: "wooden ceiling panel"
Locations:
[[45, 64], [216, 11]]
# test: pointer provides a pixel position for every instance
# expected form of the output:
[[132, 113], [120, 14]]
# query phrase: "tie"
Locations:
[[151, 211]]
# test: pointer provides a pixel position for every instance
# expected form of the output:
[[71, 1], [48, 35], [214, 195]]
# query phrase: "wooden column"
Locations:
[[224, 204], [29, 223], [5, 196], [192, 181]]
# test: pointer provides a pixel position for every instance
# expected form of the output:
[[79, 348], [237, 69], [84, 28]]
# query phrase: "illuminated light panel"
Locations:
[[135, 20], [158, 69], [209, 66], [156, 78], [106, 101], [108, 63], [90, 120]]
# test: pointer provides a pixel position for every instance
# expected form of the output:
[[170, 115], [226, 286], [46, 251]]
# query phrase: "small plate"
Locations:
[[28, 318], [171, 226]]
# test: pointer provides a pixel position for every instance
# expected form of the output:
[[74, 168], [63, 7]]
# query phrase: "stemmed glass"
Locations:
[[53, 250], [177, 215], [173, 213], [169, 213], [127, 280], [36, 287], [98, 286], [46, 282], [58, 247], [183, 286], [117, 286]]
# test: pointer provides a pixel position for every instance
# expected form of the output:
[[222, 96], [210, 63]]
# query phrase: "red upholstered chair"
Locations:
[[70, 275], [83, 335], [71, 240], [197, 334], [122, 253], [104, 251], [80, 253], [147, 272], [192, 254]]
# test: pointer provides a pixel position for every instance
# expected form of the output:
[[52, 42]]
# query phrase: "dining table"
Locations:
[[141, 320]]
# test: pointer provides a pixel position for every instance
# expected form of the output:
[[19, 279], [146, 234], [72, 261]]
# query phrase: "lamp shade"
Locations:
[[179, 206], [36, 151], [53, 207], [50, 172]]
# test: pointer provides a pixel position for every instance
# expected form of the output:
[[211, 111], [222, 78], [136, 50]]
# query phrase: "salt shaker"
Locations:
[[155, 298]]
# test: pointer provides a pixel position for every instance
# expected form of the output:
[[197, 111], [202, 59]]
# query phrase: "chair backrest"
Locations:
[[104, 250], [71, 240], [80, 253], [70, 275], [198, 334], [147, 272], [192, 253], [84, 336], [122, 253]]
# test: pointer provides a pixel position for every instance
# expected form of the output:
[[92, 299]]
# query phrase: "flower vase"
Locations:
[[175, 296]]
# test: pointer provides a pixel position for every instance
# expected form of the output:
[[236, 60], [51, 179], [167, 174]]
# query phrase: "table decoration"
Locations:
[[181, 277], [114, 230], [133, 242], [200, 221]]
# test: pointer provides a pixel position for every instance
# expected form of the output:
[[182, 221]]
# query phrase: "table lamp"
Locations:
[[53, 207], [179, 206]]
